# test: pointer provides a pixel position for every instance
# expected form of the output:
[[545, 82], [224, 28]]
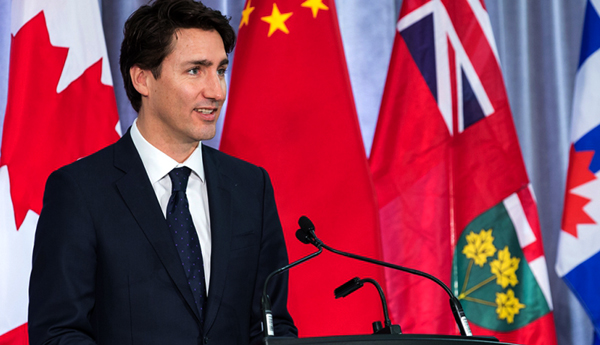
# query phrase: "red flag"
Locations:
[[453, 192], [60, 107], [291, 111]]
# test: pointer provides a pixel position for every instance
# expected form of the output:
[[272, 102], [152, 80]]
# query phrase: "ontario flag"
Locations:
[[454, 197], [578, 260], [291, 111], [61, 107]]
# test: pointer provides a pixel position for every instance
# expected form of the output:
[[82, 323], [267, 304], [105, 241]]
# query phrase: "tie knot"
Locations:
[[179, 179]]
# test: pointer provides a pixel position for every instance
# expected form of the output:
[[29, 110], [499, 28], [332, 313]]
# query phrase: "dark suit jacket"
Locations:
[[105, 269]]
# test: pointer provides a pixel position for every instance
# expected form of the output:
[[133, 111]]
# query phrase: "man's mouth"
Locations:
[[205, 111]]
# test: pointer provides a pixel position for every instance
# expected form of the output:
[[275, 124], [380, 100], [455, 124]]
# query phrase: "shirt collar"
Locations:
[[158, 164]]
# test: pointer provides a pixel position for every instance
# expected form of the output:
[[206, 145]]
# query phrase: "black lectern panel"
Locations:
[[386, 339]]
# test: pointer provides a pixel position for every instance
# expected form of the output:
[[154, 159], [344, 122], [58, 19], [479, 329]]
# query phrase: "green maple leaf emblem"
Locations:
[[496, 286]]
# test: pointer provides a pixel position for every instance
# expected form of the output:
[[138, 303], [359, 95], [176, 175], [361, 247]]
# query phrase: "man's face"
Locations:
[[184, 102]]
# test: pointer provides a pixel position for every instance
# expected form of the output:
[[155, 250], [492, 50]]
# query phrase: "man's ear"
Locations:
[[139, 78]]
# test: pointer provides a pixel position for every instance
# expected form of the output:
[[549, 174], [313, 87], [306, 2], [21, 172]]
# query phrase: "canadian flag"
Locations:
[[61, 107]]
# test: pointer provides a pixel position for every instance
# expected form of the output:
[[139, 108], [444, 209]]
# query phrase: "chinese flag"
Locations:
[[61, 107], [291, 111], [454, 197]]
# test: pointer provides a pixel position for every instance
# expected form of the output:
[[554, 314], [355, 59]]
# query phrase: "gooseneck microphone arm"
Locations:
[[268, 328], [386, 315], [308, 232], [357, 283]]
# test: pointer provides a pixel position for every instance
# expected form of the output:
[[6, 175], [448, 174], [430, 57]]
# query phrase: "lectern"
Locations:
[[386, 339]]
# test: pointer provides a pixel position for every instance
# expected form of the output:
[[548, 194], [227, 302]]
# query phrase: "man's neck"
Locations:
[[155, 134]]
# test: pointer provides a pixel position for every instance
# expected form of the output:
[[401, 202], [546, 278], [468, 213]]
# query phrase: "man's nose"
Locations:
[[214, 87]]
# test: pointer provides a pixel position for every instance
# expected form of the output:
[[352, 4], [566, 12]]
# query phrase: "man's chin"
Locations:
[[206, 134]]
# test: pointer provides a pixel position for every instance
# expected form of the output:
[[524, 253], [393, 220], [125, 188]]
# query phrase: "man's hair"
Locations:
[[149, 33]]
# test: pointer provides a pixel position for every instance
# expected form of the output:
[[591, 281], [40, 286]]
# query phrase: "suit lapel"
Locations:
[[138, 194], [219, 196]]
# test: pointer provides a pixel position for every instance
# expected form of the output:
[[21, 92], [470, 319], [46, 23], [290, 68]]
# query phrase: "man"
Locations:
[[158, 239]]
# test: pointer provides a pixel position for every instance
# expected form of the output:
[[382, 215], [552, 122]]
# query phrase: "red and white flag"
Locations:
[[61, 107], [291, 111], [454, 196]]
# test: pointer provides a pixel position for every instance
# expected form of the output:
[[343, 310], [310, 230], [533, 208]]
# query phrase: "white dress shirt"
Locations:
[[158, 165]]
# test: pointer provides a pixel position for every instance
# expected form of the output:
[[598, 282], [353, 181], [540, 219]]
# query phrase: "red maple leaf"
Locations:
[[43, 129], [578, 174]]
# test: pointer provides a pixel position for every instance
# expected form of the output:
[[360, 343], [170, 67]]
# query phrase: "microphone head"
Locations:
[[306, 224], [303, 236], [348, 287], [305, 233]]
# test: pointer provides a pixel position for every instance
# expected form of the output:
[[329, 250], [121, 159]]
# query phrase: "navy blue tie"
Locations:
[[185, 237]]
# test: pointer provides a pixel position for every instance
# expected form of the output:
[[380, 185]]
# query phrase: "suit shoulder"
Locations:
[[230, 162], [93, 162]]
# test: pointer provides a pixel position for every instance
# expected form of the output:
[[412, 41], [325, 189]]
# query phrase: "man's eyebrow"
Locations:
[[207, 63], [204, 62]]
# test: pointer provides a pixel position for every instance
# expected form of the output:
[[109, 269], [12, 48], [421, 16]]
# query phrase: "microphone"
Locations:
[[307, 230], [306, 233], [265, 301], [355, 284]]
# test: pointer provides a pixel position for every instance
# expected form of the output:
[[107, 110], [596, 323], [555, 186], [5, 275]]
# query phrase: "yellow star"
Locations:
[[277, 20], [246, 14], [315, 5]]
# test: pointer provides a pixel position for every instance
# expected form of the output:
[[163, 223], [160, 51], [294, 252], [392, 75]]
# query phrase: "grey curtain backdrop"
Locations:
[[538, 43]]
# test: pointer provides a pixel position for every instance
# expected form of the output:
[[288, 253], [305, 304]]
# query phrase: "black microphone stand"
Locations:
[[266, 302], [355, 284], [308, 231]]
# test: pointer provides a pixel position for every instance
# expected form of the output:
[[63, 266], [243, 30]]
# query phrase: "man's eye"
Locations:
[[193, 71], [222, 71]]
